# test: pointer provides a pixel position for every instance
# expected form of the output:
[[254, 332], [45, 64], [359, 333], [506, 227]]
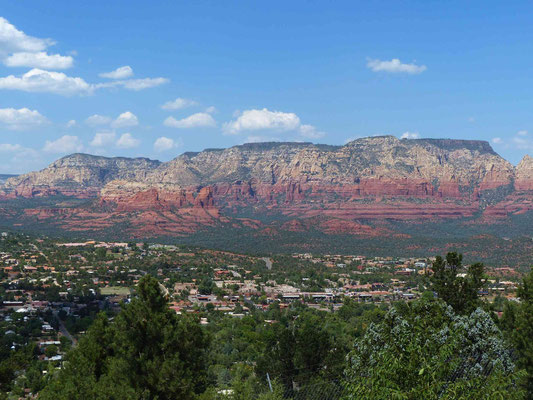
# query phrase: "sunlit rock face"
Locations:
[[366, 179]]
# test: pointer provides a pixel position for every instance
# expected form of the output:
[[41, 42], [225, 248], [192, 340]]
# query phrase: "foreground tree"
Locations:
[[423, 350], [462, 293], [518, 321], [147, 352]]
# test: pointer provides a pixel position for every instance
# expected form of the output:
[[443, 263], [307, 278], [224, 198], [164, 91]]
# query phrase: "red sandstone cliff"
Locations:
[[369, 178]]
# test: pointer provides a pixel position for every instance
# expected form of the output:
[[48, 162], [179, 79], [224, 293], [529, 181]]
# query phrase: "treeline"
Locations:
[[448, 346]]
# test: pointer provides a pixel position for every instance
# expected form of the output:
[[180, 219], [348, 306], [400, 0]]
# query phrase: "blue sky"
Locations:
[[155, 79]]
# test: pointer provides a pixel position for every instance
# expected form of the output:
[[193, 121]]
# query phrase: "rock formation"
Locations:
[[338, 187]]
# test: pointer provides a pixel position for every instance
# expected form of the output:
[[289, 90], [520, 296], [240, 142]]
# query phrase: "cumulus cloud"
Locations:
[[255, 120], [125, 120], [103, 139], [497, 140], [20, 50], [65, 144], [198, 120], [211, 110], [119, 73], [395, 66], [13, 40], [40, 59], [410, 135], [269, 121], [96, 119], [71, 123], [20, 119], [164, 144], [38, 80], [127, 141], [522, 133], [178, 104]]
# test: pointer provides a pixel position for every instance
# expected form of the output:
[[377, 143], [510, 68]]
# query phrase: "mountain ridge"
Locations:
[[277, 187]]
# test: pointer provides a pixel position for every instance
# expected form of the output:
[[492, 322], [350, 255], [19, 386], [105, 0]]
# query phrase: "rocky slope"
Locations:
[[5, 177], [524, 174], [340, 188], [78, 175]]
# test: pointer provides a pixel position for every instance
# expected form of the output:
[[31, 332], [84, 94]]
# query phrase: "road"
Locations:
[[64, 331]]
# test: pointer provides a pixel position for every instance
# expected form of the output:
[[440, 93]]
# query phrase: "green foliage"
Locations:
[[460, 293], [423, 350], [518, 321], [51, 351], [146, 352]]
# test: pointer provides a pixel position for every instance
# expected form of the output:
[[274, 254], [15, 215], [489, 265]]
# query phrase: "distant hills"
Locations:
[[287, 196]]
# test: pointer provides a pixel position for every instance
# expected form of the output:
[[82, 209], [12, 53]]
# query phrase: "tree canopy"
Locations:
[[146, 352], [424, 350]]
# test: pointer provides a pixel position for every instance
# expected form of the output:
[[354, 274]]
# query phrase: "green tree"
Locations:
[[423, 350], [146, 352], [51, 351], [518, 321], [462, 293]]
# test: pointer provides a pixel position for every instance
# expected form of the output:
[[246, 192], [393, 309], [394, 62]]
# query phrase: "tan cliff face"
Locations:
[[381, 158], [524, 174], [79, 175], [366, 179]]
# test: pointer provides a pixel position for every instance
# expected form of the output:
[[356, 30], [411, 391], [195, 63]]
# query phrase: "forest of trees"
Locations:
[[449, 344]]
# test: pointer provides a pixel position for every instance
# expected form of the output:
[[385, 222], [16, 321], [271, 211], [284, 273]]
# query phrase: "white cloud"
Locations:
[[21, 119], [135, 84], [310, 132], [271, 121], [126, 141], [38, 80], [71, 123], [395, 66], [164, 144], [260, 138], [119, 73], [12, 39], [9, 148], [520, 141], [40, 59], [178, 104], [255, 120], [197, 120], [125, 120], [17, 159], [103, 139], [145, 83], [211, 110], [410, 135], [96, 119], [65, 144]]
